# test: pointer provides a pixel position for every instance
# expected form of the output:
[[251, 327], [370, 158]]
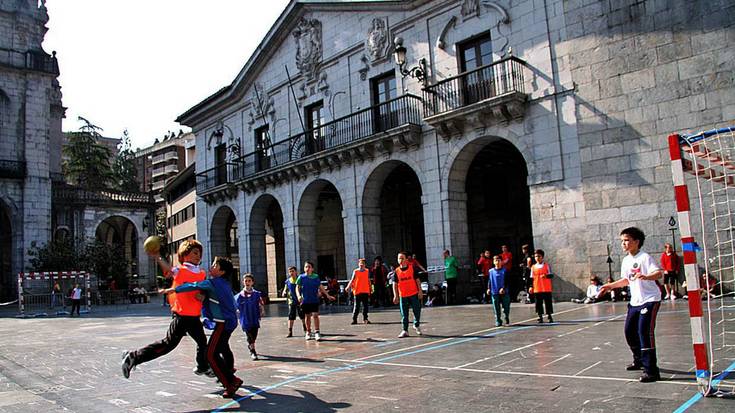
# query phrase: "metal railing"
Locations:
[[219, 175], [12, 169], [32, 59], [485, 82], [74, 195]]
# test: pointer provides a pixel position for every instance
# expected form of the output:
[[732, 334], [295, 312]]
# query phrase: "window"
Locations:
[[262, 148], [383, 89], [478, 84], [314, 115], [220, 162]]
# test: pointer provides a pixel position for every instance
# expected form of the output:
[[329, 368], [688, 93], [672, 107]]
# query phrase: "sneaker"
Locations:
[[290, 334], [667, 297], [367, 322], [317, 336], [633, 366], [551, 319], [507, 320], [673, 297], [418, 330], [207, 372], [404, 333], [540, 319], [498, 323], [353, 322], [307, 336], [127, 364], [254, 356], [649, 378]]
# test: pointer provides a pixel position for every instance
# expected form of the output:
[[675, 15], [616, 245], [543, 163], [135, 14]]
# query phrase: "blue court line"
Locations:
[[363, 363], [689, 403]]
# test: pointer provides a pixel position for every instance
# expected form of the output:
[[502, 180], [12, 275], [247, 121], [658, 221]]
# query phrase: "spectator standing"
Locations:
[[484, 264], [542, 288], [506, 258], [525, 267], [379, 273], [76, 299], [451, 271], [670, 266]]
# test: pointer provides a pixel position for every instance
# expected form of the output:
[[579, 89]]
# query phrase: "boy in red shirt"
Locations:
[[670, 265], [185, 311]]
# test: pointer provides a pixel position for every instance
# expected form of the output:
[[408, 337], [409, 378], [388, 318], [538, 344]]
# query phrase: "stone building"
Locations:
[[538, 121], [163, 160]]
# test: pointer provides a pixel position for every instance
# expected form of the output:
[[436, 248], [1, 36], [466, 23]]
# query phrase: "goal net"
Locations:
[[37, 295], [703, 171]]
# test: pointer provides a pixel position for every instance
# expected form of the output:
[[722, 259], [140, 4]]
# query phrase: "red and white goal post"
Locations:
[[36, 296], [703, 172]]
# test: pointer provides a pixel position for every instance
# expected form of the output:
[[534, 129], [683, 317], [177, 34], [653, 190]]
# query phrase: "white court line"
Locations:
[[428, 343], [506, 362], [583, 370], [559, 359], [510, 373], [505, 353]]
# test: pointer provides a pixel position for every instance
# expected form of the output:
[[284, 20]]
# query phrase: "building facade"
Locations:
[[180, 197], [538, 121], [162, 161]]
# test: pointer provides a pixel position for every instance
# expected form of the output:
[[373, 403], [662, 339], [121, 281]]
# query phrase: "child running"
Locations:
[[541, 289], [360, 283], [294, 309], [407, 288], [185, 310], [497, 288], [308, 290], [219, 306], [639, 271], [251, 307]]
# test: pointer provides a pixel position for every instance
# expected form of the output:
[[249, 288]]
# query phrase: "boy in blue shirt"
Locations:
[[251, 307], [309, 287], [496, 288], [219, 307], [294, 309]]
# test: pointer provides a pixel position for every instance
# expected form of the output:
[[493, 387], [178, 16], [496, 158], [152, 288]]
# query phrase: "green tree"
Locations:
[[124, 171], [88, 162]]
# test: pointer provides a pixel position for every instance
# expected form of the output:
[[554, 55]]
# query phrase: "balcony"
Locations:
[[12, 169], [383, 128], [479, 98], [65, 194], [165, 170], [36, 60]]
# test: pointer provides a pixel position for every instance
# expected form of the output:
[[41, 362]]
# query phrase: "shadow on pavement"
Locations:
[[271, 402]]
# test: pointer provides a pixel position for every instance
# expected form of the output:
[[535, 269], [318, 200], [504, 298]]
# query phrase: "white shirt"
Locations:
[[76, 294], [641, 291], [593, 290]]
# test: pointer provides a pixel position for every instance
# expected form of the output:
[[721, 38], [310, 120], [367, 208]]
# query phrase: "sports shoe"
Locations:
[[367, 322], [540, 319], [633, 366], [353, 322], [404, 333], [207, 372], [307, 336], [127, 364], [317, 336], [498, 323], [507, 320], [649, 378], [254, 356], [418, 330], [551, 319], [667, 297], [673, 297], [290, 334]]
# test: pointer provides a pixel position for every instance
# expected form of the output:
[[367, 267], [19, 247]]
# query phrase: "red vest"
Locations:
[[361, 282], [406, 282], [186, 303], [541, 284]]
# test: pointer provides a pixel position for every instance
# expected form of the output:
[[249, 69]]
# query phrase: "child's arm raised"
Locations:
[[163, 264]]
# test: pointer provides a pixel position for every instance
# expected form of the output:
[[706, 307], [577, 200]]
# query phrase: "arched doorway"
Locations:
[[393, 216], [321, 229], [121, 239], [267, 245], [6, 259], [224, 241]]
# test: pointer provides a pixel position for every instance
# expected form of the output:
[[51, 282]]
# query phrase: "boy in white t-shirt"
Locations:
[[639, 271]]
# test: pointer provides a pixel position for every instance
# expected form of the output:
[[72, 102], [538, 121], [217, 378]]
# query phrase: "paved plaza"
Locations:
[[461, 364]]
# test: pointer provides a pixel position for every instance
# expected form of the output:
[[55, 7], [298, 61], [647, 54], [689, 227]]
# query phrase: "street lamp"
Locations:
[[672, 228], [399, 54]]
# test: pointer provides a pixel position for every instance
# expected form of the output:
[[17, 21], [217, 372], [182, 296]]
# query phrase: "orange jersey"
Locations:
[[541, 283], [406, 282], [361, 282], [186, 304]]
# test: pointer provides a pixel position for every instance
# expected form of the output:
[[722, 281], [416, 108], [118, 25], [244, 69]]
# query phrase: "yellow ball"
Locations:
[[152, 244]]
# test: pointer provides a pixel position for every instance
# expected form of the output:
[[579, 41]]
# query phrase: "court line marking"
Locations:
[[583, 370], [559, 359], [697, 397], [512, 373]]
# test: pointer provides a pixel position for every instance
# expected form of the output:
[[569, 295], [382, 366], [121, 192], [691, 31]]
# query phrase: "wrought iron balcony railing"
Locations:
[[32, 59], [353, 128], [68, 194], [486, 82], [12, 169]]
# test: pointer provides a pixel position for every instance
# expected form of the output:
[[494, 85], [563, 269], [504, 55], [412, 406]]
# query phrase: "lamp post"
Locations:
[[672, 225], [417, 72], [609, 263]]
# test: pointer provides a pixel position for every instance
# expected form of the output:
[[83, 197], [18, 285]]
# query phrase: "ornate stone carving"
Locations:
[[377, 39], [308, 36], [470, 8], [365, 67], [440, 40], [260, 105]]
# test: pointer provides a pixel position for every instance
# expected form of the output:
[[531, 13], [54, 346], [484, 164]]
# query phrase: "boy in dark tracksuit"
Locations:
[[219, 306], [185, 311]]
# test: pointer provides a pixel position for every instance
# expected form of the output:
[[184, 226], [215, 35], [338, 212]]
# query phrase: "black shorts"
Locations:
[[671, 278], [294, 309], [310, 308]]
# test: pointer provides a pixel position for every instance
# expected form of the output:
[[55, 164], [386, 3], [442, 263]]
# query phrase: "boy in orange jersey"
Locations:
[[407, 286], [360, 283], [541, 274], [185, 311]]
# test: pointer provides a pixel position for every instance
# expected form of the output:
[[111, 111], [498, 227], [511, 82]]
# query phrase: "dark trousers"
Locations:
[[75, 304], [544, 300], [380, 295], [414, 303], [501, 300], [361, 299], [179, 327], [251, 334], [639, 333], [220, 356], [451, 290]]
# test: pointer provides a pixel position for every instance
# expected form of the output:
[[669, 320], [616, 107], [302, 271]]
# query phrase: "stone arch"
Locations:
[[267, 244], [224, 239], [321, 228], [8, 244], [121, 232], [393, 220], [488, 199]]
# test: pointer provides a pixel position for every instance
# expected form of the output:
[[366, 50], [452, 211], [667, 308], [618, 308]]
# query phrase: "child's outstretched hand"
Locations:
[[200, 297], [501, 291]]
